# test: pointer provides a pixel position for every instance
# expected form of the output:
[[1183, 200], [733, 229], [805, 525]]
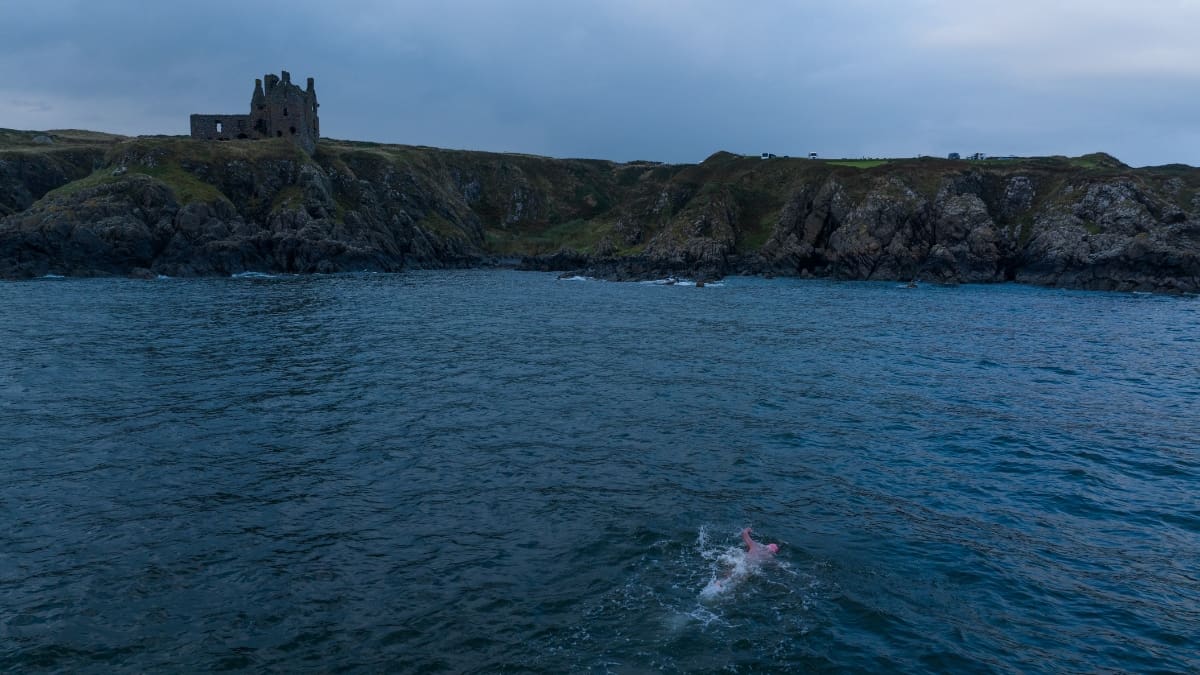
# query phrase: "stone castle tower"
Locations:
[[279, 109]]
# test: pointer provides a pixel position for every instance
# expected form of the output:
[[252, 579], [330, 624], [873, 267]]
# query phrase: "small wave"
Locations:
[[680, 620], [714, 589], [252, 275], [675, 281], [53, 276], [577, 278], [161, 277]]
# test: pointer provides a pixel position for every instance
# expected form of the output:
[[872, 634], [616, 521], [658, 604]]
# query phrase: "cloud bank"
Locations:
[[625, 79]]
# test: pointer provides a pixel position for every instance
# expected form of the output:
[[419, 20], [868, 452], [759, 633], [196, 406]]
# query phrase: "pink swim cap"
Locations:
[[774, 548]]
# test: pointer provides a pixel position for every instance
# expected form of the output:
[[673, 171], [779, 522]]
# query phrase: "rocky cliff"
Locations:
[[78, 203]]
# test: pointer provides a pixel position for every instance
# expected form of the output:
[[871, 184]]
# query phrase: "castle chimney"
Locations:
[[311, 82], [271, 80], [287, 77]]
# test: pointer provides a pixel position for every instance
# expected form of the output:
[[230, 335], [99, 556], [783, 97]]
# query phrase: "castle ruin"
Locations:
[[280, 110]]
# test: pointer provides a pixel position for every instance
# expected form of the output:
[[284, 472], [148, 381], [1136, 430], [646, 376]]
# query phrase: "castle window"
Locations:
[[285, 112], [278, 134], [220, 127], [293, 131]]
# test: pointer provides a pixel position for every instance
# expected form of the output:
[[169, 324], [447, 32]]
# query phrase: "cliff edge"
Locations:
[[84, 204]]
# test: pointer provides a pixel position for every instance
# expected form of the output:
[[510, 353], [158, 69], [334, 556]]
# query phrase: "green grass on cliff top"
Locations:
[[13, 139], [186, 187]]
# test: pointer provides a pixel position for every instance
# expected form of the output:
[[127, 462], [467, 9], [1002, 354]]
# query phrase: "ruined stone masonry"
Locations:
[[281, 110]]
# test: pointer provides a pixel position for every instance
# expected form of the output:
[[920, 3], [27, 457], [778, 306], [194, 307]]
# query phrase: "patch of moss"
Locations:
[[1026, 225], [578, 234], [752, 237], [187, 188], [97, 178], [435, 223], [634, 250]]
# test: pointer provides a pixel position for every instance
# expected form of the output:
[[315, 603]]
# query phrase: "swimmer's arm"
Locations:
[[746, 538]]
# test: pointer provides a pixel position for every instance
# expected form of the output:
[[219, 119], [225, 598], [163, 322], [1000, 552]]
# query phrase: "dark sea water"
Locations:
[[500, 471]]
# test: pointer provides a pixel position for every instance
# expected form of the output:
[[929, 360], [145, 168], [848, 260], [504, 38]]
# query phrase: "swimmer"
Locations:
[[756, 551], [756, 555]]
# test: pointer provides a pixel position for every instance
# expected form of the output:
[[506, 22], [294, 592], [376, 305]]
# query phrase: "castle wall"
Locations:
[[222, 127]]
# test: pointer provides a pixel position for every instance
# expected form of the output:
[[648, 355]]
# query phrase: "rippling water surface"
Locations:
[[489, 471]]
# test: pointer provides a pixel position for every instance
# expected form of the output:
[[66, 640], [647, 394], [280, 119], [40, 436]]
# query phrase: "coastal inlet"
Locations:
[[477, 471]]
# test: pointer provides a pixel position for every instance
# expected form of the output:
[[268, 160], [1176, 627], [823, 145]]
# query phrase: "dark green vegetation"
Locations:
[[83, 203]]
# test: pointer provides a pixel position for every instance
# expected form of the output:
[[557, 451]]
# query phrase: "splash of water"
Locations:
[[730, 566]]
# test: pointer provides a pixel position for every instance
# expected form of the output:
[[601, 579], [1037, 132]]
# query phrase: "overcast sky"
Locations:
[[668, 80]]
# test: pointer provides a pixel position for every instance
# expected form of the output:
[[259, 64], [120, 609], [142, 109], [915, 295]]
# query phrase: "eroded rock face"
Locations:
[[1019, 192], [1103, 233], [806, 222], [881, 236], [700, 238], [1117, 207], [968, 246]]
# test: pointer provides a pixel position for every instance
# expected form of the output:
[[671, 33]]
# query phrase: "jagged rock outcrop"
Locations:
[[181, 207], [1111, 234]]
